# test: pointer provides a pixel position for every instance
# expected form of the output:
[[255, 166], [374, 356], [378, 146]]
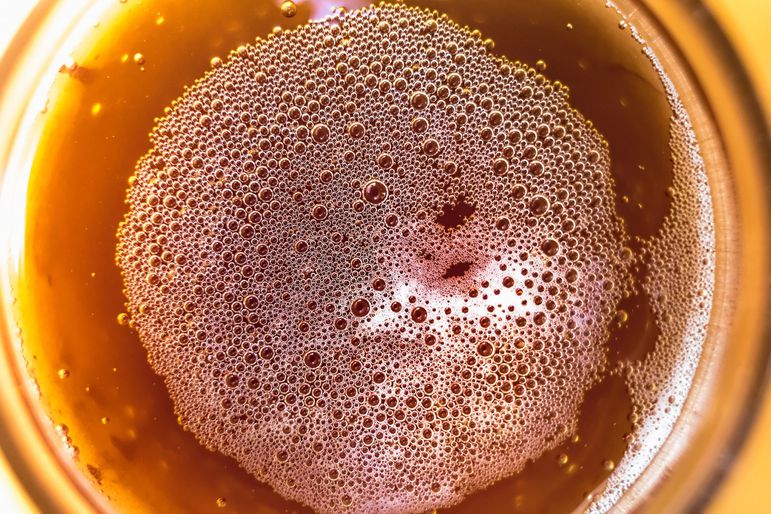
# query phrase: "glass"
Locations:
[[731, 376]]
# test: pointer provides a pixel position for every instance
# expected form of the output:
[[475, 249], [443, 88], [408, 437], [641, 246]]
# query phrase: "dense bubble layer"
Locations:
[[680, 284], [375, 263]]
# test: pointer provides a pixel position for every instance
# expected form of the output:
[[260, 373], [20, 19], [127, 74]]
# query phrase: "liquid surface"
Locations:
[[373, 268], [109, 404]]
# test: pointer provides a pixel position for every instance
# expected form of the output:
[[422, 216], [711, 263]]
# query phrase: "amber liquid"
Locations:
[[93, 372]]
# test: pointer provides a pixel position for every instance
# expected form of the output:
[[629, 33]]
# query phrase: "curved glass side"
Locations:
[[733, 372]]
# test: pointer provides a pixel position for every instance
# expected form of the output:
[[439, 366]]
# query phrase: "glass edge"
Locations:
[[730, 61], [721, 46], [43, 478]]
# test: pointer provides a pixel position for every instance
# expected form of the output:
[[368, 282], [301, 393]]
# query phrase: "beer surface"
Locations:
[[380, 263], [369, 251]]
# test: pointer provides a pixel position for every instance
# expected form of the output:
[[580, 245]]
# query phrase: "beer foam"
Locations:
[[680, 284], [374, 262]]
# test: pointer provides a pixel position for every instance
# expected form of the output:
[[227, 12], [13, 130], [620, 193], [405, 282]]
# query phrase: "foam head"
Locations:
[[373, 262]]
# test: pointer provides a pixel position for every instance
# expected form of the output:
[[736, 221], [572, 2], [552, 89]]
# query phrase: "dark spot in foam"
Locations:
[[457, 270], [455, 215]]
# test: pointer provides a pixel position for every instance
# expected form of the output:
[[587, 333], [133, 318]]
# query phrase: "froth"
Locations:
[[680, 284], [371, 252]]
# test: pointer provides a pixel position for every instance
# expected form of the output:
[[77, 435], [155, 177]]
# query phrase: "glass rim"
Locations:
[[43, 493], [722, 47]]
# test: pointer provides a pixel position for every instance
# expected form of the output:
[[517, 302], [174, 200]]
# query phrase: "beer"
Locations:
[[389, 258]]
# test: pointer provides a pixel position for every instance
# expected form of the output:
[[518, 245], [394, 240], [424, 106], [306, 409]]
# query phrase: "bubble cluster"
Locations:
[[680, 283], [371, 252]]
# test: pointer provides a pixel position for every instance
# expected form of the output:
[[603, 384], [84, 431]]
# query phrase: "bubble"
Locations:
[[288, 8], [385, 160], [539, 205], [320, 133], [550, 247], [360, 307], [485, 349], [536, 167], [431, 147], [356, 130], [418, 314], [312, 359], [319, 212], [246, 231], [500, 167], [419, 124], [374, 192], [419, 100], [326, 176]]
